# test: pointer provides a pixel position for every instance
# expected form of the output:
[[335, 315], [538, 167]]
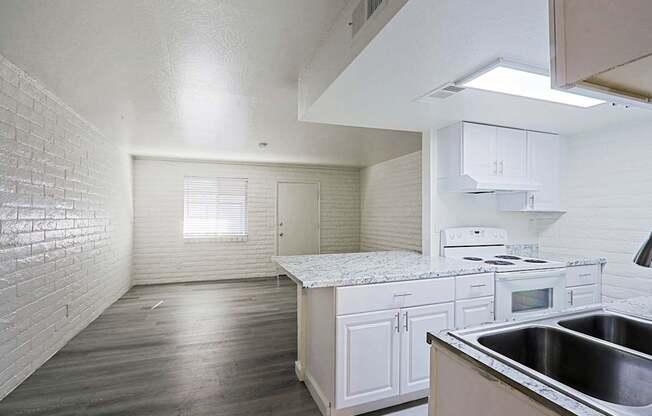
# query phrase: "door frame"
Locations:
[[276, 225]]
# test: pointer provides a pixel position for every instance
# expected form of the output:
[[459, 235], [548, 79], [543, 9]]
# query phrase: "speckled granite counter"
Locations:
[[572, 260], [550, 397], [328, 270]]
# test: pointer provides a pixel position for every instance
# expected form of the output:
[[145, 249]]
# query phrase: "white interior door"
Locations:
[[298, 218], [415, 353]]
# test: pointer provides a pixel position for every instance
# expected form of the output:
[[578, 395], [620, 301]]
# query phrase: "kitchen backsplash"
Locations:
[[523, 250]]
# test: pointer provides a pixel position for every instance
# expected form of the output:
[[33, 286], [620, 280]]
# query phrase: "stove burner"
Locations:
[[507, 257], [472, 258], [534, 261], [499, 262]]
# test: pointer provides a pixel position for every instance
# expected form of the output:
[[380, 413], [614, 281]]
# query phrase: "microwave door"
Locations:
[[527, 297]]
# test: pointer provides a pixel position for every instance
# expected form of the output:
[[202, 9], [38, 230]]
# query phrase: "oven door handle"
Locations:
[[538, 274]]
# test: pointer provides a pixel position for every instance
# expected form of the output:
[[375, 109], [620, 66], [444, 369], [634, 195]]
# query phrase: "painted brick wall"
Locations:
[[390, 216], [65, 225], [608, 194], [161, 255]]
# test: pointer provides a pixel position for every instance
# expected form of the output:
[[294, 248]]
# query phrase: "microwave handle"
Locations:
[[539, 274]]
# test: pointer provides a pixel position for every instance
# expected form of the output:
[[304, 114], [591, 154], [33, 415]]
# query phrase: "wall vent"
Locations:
[[440, 93], [363, 12]]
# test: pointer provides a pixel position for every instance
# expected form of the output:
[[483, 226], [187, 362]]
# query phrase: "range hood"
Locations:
[[478, 185]]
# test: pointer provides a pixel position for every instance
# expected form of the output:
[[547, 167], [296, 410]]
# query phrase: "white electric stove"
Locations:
[[525, 286]]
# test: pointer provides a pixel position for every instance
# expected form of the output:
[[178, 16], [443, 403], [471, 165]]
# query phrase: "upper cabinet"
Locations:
[[483, 158], [544, 166], [602, 49]]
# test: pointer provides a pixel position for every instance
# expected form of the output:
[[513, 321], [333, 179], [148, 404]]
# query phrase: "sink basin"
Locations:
[[590, 367], [616, 329]]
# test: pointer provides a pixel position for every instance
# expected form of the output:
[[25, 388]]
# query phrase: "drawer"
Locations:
[[583, 275], [474, 286], [376, 297]]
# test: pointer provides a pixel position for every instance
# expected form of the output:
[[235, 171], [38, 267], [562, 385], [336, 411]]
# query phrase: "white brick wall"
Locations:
[[65, 225], [390, 216], [161, 255], [608, 194]]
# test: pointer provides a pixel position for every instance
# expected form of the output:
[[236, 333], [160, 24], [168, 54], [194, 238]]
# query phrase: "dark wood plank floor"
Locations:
[[209, 349]]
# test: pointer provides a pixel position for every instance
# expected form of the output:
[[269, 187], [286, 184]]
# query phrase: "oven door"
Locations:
[[529, 293]]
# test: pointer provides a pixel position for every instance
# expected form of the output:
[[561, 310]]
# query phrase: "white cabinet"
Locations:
[[491, 151], [473, 312], [367, 351], [480, 157], [416, 323], [544, 165], [477, 157], [583, 296], [511, 145], [383, 354]]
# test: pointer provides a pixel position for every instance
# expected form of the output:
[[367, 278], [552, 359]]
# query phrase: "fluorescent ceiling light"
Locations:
[[520, 80]]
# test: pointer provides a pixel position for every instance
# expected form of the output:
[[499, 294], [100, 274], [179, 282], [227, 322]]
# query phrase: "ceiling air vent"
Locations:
[[363, 12], [440, 93]]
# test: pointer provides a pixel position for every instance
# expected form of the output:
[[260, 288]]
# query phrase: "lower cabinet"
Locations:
[[367, 357], [473, 312], [583, 296], [384, 354], [415, 352]]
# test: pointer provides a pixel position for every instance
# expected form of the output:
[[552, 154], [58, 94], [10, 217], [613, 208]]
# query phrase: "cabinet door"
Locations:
[[583, 296], [367, 357], [415, 354], [473, 312], [544, 155], [479, 153], [512, 152]]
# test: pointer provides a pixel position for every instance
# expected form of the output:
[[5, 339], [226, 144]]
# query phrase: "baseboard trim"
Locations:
[[318, 396]]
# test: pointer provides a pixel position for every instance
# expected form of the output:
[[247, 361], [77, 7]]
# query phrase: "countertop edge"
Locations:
[[541, 396]]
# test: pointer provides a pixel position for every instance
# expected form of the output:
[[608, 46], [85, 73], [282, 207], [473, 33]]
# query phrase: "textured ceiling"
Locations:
[[207, 79]]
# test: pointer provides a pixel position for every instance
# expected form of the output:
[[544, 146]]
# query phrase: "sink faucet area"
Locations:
[[598, 357]]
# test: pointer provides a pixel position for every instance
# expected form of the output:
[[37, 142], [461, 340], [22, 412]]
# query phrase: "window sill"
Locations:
[[216, 239]]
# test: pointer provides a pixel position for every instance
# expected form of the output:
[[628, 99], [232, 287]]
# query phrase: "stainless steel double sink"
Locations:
[[599, 357]]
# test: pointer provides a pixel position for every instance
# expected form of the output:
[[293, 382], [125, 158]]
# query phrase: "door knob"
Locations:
[[280, 235]]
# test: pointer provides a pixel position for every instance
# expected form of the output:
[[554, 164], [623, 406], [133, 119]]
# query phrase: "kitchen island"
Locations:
[[363, 319]]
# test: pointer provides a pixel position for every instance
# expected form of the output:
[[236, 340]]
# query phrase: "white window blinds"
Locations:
[[215, 208]]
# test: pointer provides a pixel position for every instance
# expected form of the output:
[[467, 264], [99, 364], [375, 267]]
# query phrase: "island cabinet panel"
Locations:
[[415, 352], [383, 296], [367, 350]]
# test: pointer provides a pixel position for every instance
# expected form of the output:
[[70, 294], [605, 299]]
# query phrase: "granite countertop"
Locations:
[[558, 401], [328, 270], [572, 260]]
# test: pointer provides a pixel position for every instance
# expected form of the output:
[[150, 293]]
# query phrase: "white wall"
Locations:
[[161, 255], [65, 225], [442, 210], [390, 212], [608, 194]]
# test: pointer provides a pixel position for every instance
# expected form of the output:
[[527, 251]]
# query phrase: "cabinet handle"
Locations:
[[398, 295], [585, 274], [398, 325], [476, 286], [406, 321], [570, 300], [532, 201], [502, 166], [495, 167], [491, 311]]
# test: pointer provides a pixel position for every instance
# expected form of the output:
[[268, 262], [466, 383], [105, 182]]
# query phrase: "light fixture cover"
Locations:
[[524, 81], [644, 255]]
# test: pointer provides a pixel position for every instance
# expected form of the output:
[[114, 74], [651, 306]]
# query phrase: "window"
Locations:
[[215, 208]]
